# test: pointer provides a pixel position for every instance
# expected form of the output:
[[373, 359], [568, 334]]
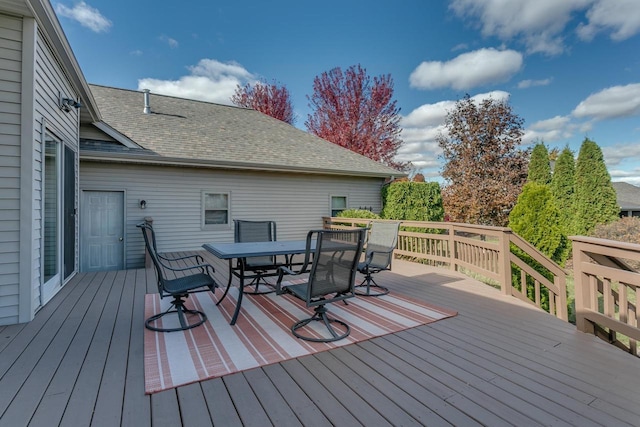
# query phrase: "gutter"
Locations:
[[86, 155]]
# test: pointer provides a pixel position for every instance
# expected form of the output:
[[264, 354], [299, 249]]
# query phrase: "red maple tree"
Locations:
[[268, 98], [351, 110]]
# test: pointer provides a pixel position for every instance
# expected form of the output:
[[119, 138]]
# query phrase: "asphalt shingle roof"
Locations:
[[628, 195], [221, 135]]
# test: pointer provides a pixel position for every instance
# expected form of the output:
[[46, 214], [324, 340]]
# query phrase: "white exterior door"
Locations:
[[102, 231]]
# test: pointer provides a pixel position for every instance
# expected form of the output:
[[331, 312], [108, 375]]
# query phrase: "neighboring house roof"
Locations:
[[628, 195], [184, 131]]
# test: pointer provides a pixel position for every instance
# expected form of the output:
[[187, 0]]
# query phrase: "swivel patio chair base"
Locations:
[[177, 307], [367, 282], [320, 315], [255, 283]]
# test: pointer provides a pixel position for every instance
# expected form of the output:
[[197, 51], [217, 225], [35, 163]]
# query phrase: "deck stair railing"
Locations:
[[607, 286], [482, 250]]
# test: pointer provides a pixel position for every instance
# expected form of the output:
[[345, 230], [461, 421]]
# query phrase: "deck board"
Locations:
[[499, 362]]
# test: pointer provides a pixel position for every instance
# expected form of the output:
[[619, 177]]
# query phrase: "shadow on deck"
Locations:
[[499, 362]]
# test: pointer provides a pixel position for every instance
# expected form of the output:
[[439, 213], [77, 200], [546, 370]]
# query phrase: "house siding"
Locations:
[[10, 131], [296, 202], [50, 81]]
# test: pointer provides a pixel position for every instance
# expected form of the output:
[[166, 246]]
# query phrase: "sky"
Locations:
[[570, 68]]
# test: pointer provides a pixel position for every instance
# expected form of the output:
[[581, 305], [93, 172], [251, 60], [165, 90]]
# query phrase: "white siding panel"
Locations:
[[296, 202], [10, 77], [92, 132]]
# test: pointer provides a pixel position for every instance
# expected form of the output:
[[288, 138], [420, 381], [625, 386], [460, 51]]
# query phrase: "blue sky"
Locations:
[[570, 68]]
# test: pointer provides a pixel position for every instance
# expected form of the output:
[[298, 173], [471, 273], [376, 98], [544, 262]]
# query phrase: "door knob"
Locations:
[[120, 239]]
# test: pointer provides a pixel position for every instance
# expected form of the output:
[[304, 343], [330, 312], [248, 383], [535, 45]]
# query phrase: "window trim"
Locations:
[[346, 202], [204, 226]]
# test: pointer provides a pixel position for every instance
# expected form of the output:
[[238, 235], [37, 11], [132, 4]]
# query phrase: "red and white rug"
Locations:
[[262, 335]]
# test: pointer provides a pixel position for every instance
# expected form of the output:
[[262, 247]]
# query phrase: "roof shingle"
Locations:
[[219, 134]]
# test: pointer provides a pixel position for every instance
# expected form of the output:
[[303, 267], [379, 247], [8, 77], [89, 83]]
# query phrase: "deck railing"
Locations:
[[487, 251], [607, 286]]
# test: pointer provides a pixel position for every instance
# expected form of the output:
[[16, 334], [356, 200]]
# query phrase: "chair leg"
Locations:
[[368, 280], [177, 306], [320, 314]]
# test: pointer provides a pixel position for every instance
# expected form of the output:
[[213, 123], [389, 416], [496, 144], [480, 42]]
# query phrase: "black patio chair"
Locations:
[[331, 278], [186, 282], [257, 231], [169, 259], [381, 243]]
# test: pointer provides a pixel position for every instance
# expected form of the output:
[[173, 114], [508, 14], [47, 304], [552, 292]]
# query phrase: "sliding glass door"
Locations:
[[59, 216]]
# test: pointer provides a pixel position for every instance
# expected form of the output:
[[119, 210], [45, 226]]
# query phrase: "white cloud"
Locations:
[[556, 122], [210, 80], [621, 17], [468, 70], [613, 102], [173, 43], [421, 127], [616, 154], [538, 24], [86, 15], [524, 84], [554, 129]]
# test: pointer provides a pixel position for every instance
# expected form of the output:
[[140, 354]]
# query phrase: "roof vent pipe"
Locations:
[[147, 106]]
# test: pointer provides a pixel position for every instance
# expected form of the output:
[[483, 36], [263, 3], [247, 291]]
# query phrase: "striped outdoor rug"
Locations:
[[261, 335]]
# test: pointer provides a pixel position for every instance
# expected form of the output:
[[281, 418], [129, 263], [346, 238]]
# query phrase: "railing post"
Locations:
[[451, 241], [326, 222], [504, 260], [581, 287], [147, 256]]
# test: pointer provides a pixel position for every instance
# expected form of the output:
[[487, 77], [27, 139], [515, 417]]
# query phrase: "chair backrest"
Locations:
[[335, 262], [150, 243], [255, 231], [383, 239]]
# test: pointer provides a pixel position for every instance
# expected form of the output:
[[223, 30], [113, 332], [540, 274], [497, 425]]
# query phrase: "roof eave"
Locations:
[[166, 161], [47, 19]]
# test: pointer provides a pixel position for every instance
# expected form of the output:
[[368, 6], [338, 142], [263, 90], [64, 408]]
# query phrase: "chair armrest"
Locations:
[[286, 271], [199, 259], [205, 268]]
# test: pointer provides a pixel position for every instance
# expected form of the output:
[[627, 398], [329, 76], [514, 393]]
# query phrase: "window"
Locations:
[[338, 204], [215, 209]]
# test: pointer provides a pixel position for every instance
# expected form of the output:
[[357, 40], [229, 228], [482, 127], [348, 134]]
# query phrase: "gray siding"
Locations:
[[50, 80], [10, 119], [296, 202]]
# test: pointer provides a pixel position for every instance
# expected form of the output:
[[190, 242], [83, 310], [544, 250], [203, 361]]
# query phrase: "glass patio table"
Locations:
[[243, 250]]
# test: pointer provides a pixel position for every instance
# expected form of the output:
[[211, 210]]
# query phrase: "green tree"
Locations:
[[562, 188], [536, 218], [539, 165], [483, 167], [595, 197], [413, 201]]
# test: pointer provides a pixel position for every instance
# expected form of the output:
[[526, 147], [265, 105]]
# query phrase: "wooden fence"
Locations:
[[487, 251], [607, 286]]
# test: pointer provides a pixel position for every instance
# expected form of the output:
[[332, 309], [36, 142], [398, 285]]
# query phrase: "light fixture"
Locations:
[[143, 204], [66, 104]]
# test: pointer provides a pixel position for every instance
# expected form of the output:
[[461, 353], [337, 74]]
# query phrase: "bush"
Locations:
[[626, 229], [358, 213], [535, 218]]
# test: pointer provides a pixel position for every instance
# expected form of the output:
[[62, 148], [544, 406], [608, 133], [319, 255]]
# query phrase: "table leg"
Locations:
[[240, 294], [226, 291]]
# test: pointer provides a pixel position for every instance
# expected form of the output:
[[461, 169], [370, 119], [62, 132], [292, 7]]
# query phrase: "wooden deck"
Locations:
[[499, 362]]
